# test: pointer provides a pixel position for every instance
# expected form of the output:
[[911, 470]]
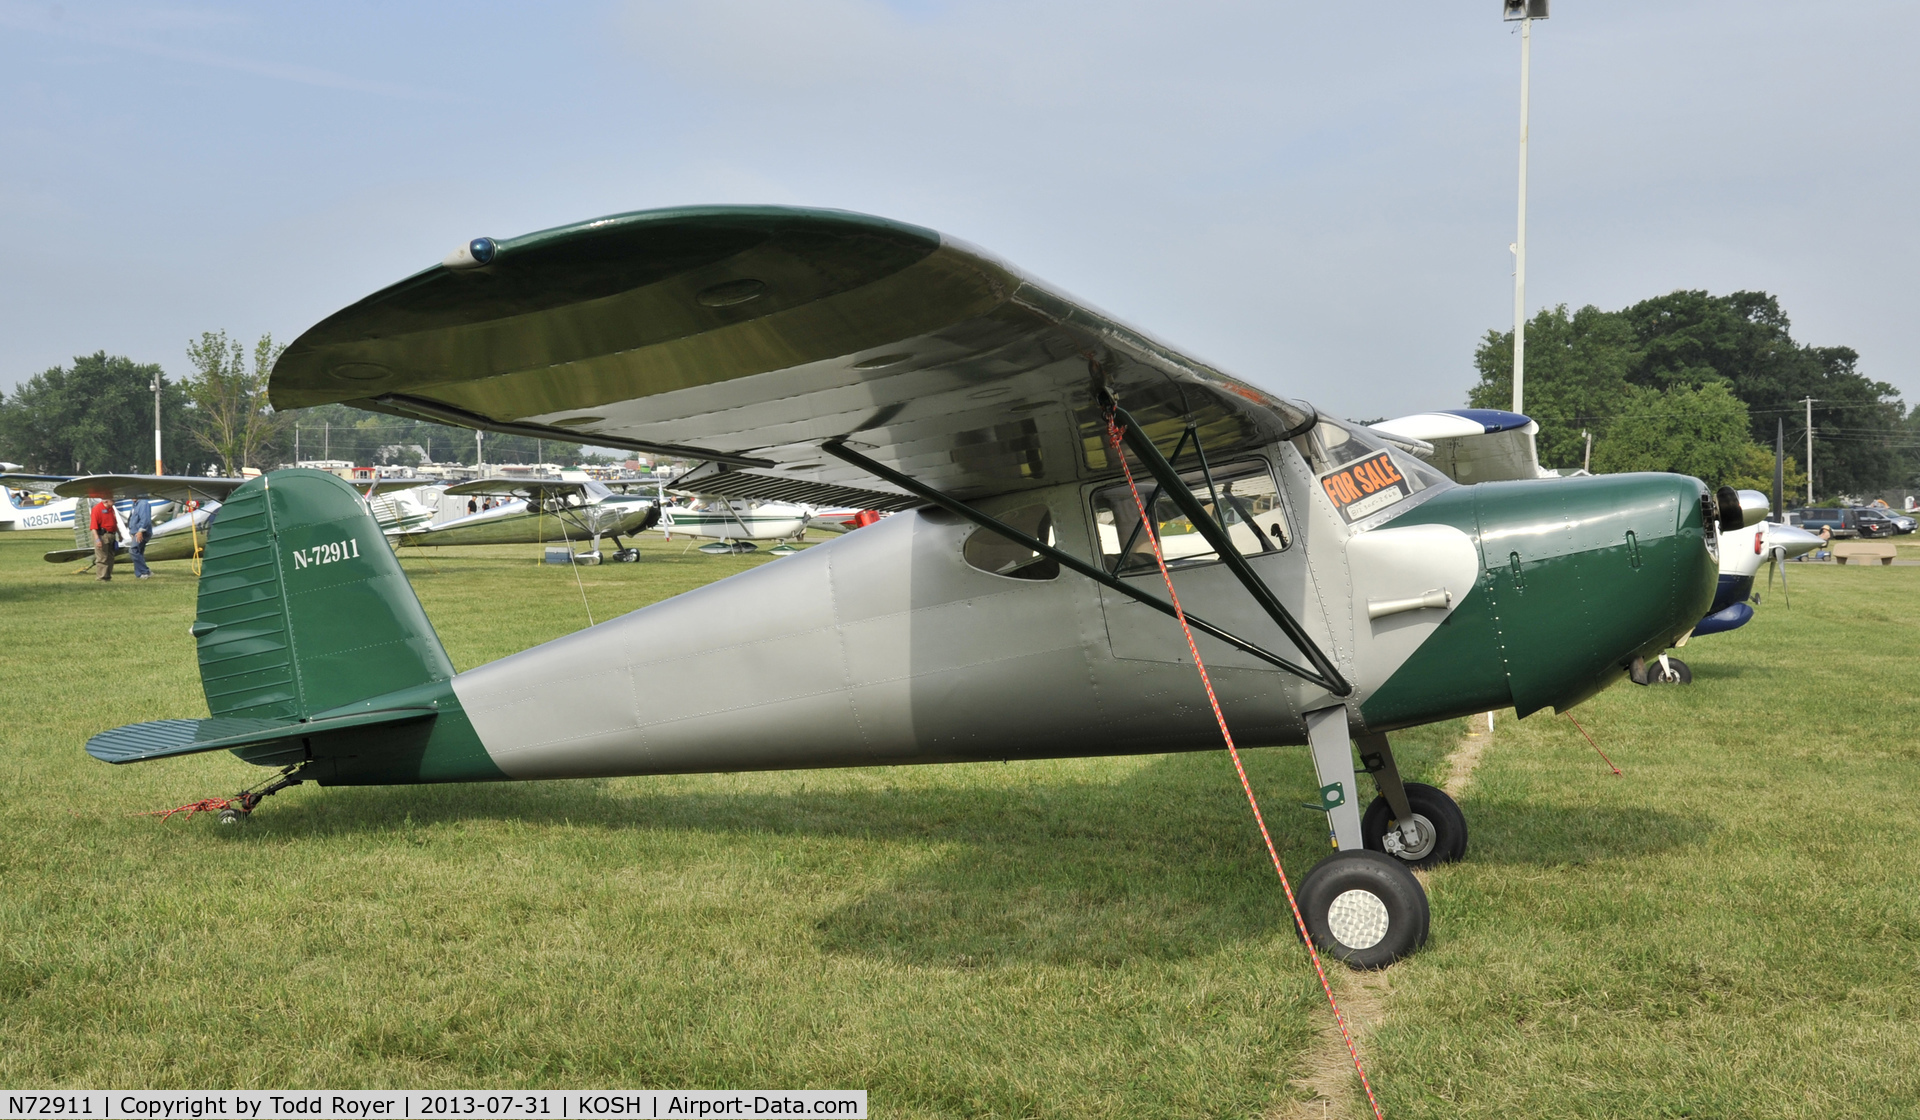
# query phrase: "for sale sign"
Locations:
[[1365, 487]]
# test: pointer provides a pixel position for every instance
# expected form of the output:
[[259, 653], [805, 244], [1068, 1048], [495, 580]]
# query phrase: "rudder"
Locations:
[[303, 607]]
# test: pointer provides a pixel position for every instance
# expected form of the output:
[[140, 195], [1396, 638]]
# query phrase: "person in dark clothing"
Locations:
[[139, 532], [106, 539]]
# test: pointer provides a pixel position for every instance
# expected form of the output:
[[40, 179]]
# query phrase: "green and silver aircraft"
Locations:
[[1341, 588]]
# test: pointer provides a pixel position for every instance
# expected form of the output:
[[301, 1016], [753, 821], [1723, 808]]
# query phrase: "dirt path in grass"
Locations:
[[1364, 996]]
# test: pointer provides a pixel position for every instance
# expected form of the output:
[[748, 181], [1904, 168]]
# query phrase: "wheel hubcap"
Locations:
[[1358, 919]]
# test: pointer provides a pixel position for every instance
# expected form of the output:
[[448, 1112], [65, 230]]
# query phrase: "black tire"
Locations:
[[1681, 674], [1443, 827], [232, 816], [1371, 900]]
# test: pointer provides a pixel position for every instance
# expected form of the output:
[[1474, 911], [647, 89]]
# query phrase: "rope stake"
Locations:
[[1233, 752]]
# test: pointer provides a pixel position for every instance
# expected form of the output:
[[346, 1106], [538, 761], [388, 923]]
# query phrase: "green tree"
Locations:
[[232, 418], [1579, 367], [1745, 341], [1756, 473], [1701, 432], [1577, 375], [95, 417]]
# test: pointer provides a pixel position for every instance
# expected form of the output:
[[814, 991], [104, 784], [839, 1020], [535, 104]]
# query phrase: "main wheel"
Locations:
[[233, 816], [1364, 908], [1440, 826]]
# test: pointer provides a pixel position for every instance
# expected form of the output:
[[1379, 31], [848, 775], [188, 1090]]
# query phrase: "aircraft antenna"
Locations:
[[1233, 752]]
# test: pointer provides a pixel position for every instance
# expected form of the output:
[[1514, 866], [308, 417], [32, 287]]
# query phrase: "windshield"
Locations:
[[1360, 473]]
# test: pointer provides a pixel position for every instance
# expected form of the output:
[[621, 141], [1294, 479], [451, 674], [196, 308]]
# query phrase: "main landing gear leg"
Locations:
[[1363, 907], [1411, 821], [1333, 762], [243, 803]]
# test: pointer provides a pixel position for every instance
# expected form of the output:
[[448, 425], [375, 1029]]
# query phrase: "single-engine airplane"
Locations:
[[537, 511], [52, 509], [734, 523], [1340, 588]]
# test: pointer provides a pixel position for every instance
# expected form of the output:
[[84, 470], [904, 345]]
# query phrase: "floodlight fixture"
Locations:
[[1523, 9]]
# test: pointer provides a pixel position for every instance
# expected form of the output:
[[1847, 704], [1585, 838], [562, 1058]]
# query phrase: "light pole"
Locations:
[[1525, 11], [1809, 404], [158, 469]]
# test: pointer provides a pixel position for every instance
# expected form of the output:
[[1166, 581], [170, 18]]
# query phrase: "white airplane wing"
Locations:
[[1471, 444]]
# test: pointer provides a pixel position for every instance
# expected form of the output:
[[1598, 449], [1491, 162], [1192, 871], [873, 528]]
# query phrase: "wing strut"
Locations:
[[1333, 683], [1324, 674]]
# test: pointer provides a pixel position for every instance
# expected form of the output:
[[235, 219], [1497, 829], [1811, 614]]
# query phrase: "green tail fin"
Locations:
[[303, 607]]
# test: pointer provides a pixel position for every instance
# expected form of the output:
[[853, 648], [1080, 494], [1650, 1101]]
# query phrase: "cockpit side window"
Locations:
[[1242, 497], [992, 553]]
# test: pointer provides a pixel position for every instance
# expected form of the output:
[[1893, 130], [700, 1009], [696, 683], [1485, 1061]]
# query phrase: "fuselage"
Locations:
[[721, 520], [920, 640], [516, 522]]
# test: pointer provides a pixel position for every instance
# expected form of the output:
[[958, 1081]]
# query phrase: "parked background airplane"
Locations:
[[36, 501], [734, 523], [1341, 589], [537, 511]]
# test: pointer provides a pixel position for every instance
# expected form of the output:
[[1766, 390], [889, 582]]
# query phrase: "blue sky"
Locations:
[[1319, 197]]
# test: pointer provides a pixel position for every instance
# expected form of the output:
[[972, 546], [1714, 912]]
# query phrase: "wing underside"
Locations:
[[746, 336]]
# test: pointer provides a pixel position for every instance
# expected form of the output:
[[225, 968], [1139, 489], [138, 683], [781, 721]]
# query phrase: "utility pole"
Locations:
[[158, 468], [1525, 11], [1809, 404], [1586, 460], [1779, 468], [296, 445], [479, 457], [326, 441]]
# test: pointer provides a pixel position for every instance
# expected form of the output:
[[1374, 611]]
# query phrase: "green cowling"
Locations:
[[1577, 578]]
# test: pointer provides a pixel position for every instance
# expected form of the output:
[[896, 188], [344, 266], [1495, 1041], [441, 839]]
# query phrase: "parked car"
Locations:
[[1875, 522], [1901, 522], [1843, 523]]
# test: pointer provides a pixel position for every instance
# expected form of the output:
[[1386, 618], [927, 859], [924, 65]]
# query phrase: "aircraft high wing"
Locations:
[[1470, 445], [1340, 588]]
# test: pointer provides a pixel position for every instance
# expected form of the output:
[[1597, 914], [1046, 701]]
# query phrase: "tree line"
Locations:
[[95, 416], [1699, 384]]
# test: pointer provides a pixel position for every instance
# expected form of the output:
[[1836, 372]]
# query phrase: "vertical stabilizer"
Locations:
[[303, 607]]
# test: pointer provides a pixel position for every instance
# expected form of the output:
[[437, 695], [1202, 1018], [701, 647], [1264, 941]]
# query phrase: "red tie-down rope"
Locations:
[[206, 805], [1594, 745], [1233, 752]]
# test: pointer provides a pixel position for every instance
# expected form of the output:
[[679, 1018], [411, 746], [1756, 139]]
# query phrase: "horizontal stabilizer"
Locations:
[[68, 555], [164, 738]]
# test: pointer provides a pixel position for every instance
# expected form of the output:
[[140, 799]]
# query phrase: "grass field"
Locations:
[[1728, 930]]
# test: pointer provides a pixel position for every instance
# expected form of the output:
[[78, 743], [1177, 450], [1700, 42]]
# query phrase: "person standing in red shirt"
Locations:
[[106, 540]]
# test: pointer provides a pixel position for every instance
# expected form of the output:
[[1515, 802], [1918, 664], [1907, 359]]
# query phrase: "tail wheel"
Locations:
[[1364, 908], [1440, 828]]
